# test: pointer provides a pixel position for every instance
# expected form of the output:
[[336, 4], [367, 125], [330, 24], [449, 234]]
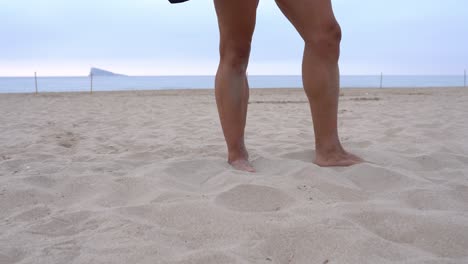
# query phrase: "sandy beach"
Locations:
[[141, 177]]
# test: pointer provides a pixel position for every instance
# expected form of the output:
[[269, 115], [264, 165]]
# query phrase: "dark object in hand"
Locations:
[[177, 1]]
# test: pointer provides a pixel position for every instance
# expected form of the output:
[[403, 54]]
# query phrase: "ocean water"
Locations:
[[120, 83]]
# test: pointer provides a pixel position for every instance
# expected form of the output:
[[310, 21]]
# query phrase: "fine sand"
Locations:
[[141, 177]]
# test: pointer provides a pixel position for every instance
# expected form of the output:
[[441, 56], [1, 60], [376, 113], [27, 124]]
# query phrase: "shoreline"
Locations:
[[202, 90]]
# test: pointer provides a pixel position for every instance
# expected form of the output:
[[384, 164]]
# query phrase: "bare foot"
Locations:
[[242, 164], [239, 160], [337, 158]]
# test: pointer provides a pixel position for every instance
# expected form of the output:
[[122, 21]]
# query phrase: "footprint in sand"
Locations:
[[33, 214], [438, 234], [11, 255], [305, 155], [63, 252], [373, 178], [432, 162], [41, 181], [65, 225], [12, 201], [67, 139], [254, 198], [435, 199], [194, 172]]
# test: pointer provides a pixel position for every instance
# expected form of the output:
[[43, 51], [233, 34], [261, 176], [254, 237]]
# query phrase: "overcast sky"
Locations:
[[152, 37]]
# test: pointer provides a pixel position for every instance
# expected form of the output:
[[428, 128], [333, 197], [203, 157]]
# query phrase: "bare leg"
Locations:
[[316, 23], [236, 21]]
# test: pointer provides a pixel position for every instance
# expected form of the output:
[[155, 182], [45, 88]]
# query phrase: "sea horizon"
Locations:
[[27, 84]]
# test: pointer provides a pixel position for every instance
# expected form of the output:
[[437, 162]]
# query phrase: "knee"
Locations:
[[235, 55], [325, 40]]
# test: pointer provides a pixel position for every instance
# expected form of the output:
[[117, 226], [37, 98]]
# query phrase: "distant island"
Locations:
[[101, 72]]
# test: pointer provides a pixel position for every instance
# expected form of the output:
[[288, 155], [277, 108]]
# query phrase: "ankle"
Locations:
[[237, 154], [328, 148]]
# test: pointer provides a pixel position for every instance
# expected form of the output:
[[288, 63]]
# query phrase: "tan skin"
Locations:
[[316, 23]]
